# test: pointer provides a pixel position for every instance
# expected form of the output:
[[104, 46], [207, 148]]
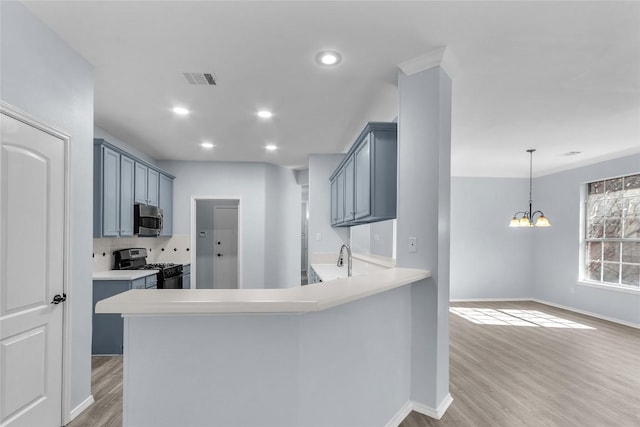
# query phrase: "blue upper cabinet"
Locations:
[[110, 186], [153, 182], [349, 188], [127, 167], [334, 201], [120, 181], [142, 175], [368, 174], [166, 204], [362, 184], [147, 181], [340, 197]]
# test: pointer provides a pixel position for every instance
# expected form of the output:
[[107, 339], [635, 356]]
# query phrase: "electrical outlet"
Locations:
[[413, 244], [318, 236]]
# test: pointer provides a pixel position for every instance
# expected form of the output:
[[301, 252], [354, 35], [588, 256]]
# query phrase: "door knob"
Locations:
[[57, 299], [219, 254]]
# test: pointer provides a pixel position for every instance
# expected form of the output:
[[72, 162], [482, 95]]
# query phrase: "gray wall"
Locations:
[[556, 250], [321, 166], [44, 77], [262, 191], [283, 224], [491, 260], [424, 171], [488, 258], [376, 238]]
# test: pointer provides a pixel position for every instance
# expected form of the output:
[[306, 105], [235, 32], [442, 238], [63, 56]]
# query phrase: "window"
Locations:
[[612, 232]]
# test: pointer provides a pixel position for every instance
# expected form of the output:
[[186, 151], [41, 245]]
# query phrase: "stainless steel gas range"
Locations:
[[169, 274]]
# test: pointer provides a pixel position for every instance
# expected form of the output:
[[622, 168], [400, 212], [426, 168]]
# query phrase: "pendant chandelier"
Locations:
[[528, 218]]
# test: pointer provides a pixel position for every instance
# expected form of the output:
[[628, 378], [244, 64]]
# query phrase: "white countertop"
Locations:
[[302, 299], [122, 274]]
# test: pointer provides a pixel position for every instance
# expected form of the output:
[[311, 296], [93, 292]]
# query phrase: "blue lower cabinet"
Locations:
[[186, 276], [108, 328]]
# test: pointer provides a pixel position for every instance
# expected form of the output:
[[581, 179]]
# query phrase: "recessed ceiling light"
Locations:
[[328, 58], [181, 111], [271, 147], [207, 145], [265, 114]]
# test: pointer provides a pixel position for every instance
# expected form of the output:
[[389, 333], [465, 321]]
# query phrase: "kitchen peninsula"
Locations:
[[336, 353]]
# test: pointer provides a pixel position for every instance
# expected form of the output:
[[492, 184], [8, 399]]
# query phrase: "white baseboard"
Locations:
[[430, 412], [489, 299], [400, 415], [81, 407], [588, 313], [421, 409]]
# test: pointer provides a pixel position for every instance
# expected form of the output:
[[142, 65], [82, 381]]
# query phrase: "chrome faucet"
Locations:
[[340, 262]]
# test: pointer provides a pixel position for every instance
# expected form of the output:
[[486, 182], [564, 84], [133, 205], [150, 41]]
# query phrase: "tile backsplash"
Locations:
[[159, 249]]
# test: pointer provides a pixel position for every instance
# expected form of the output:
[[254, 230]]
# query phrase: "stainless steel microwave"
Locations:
[[147, 220]]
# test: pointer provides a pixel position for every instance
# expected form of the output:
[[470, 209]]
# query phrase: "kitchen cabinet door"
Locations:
[[106, 337], [127, 172], [334, 201], [363, 179], [349, 177], [340, 197], [141, 177], [153, 183], [110, 192], [166, 204]]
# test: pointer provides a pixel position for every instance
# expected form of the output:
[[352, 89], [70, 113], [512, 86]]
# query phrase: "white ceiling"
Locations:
[[556, 76]]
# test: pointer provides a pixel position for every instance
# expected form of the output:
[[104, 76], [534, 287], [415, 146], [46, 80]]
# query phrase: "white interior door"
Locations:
[[32, 227], [225, 257]]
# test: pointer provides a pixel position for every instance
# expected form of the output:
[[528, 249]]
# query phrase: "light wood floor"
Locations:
[[540, 376], [106, 387], [501, 375]]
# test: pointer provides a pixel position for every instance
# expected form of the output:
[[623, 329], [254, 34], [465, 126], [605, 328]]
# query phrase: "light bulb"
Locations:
[[543, 222]]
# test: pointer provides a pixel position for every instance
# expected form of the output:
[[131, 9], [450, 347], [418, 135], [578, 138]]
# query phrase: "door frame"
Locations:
[[28, 119], [193, 239]]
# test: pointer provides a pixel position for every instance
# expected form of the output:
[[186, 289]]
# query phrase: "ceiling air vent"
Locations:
[[205, 79]]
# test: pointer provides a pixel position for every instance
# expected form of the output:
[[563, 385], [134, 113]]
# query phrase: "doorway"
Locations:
[[34, 221], [215, 237]]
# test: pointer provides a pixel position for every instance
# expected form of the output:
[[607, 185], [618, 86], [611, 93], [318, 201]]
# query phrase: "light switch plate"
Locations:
[[413, 244], [318, 236]]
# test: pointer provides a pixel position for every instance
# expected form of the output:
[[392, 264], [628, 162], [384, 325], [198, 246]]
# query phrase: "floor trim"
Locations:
[[422, 409], [588, 313], [81, 407], [429, 411], [400, 415], [488, 299]]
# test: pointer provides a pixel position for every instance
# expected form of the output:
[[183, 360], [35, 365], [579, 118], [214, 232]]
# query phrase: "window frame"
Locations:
[[585, 240]]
